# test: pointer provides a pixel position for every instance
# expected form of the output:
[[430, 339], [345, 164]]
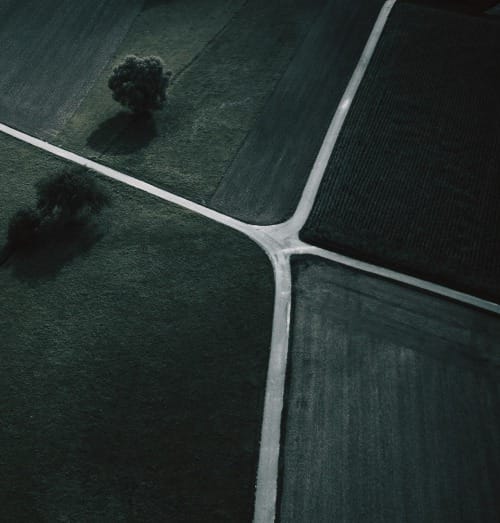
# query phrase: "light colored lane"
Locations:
[[267, 471], [411, 281], [297, 221], [280, 242], [138, 184], [274, 239]]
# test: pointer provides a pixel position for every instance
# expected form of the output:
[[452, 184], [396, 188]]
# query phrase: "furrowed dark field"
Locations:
[[460, 6], [413, 182], [133, 363], [393, 413], [51, 53], [264, 183], [214, 100]]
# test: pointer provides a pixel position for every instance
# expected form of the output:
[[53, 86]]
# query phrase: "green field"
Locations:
[[134, 361], [265, 181], [413, 181], [221, 82], [392, 414], [52, 52]]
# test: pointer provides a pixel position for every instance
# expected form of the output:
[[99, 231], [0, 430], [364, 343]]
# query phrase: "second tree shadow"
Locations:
[[54, 251]]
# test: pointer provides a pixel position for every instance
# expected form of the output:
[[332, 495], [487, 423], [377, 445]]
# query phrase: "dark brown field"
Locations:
[[51, 52], [413, 182]]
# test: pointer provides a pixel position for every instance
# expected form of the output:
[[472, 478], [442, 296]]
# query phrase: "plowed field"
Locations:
[[413, 182]]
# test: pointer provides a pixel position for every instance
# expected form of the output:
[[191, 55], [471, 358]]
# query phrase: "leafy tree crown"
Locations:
[[140, 84], [69, 196]]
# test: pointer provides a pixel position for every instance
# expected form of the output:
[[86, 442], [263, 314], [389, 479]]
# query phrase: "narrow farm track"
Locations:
[[280, 242]]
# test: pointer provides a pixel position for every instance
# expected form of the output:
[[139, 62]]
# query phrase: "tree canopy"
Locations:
[[140, 84]]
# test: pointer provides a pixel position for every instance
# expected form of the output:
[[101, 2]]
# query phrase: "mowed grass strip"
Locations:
[[215, 98], [413, 181], [392, 404], [133, 365], [51, 53]]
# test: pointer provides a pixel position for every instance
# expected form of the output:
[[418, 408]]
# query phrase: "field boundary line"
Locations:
[[280, 242], [198, 55], [287, 234]]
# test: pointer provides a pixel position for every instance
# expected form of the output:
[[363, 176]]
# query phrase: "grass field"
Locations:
[[51, 53], [265, 181], [413, 181], [216, 96], [133, 366], [393, 413]]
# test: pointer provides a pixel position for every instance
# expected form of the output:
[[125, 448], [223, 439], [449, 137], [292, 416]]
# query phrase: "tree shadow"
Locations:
[[124, 133], [55, 250]]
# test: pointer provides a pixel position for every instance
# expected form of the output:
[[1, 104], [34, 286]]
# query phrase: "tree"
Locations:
[[69, 196], [140, 83]]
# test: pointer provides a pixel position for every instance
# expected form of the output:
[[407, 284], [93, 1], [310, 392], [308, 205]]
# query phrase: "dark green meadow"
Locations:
[[133, 363], [414, 179]]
